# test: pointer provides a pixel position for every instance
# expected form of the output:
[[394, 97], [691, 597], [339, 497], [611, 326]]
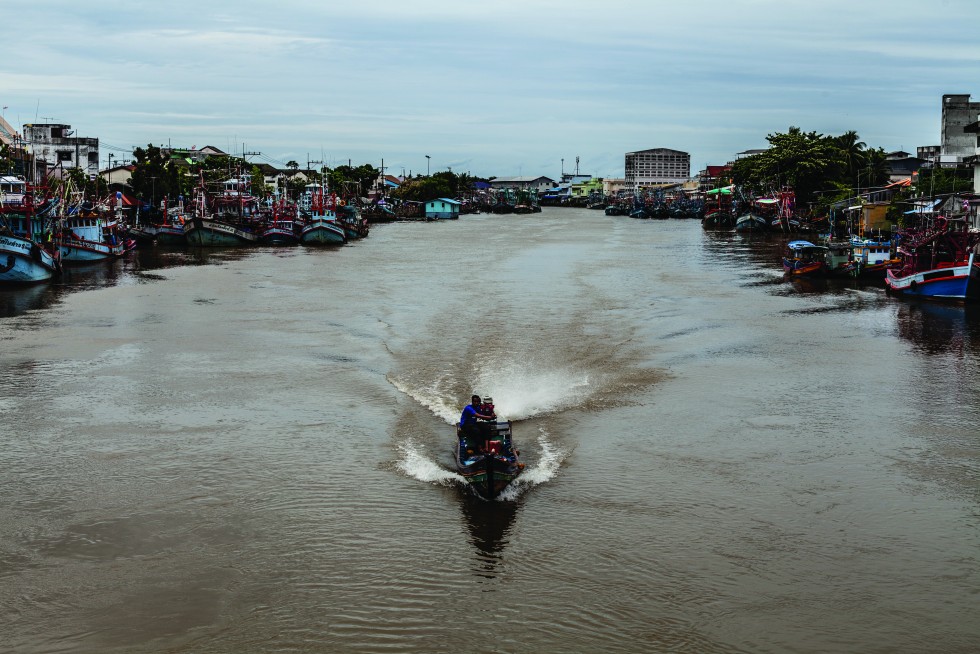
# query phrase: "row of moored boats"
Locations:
[[40, 233]]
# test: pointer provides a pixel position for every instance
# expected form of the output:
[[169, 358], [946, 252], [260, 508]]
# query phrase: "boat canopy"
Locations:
[[803, 245], [926, 208]]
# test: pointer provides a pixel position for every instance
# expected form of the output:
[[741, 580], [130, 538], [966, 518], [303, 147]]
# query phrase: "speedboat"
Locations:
[[486, 458]]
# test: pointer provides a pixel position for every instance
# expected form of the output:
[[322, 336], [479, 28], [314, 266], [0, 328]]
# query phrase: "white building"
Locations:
[[57, 146], [539, 184], [657, 166]]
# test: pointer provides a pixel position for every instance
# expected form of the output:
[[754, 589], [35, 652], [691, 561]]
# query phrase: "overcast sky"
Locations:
[[501, 87]]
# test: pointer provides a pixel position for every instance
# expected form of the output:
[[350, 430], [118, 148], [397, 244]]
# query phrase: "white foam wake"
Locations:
[[416, 463], [545, 469], [431, 397]]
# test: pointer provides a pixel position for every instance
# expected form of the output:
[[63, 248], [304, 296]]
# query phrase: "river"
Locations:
[[250, 451]]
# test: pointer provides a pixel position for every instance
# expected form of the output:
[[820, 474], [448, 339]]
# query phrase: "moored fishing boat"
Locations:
[[87, 236], [167, 231], [319, 222], [873, 256], [751, 222], [937, 262], [839, 259], [803, 258], [282, 226], [487, 458], [27, 254], [349, 217], [230, 227]]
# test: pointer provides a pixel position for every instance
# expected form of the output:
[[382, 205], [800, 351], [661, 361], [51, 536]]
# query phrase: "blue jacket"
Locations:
[[468, 417]]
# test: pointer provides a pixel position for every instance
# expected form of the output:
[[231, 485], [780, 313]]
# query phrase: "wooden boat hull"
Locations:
[[204, 232], [280, 236], [751, 223], [953, 283], [488, 472], [323, 232], [803, 269], [22, 261], [81, 251]]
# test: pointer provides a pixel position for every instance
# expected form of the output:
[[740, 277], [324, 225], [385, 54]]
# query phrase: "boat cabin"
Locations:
[[12, 190]]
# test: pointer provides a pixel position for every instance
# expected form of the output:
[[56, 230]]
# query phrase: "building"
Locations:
[[7, 133], [713, 176], [441, 208], [928, 152], [973, 130], [613, 185], [538, 184], [57, 146], [591, 186], [118, 175], [657, 166], [958, 112], [901, 165]]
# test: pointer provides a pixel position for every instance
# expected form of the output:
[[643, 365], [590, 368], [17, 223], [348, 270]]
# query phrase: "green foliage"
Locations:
[[820, 168], [423, 189], [443, 184], [155, 176], [348, 181]]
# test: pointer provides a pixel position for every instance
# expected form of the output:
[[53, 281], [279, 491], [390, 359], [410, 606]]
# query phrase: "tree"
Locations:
[[349, 181], [852, 155], [423, 189]]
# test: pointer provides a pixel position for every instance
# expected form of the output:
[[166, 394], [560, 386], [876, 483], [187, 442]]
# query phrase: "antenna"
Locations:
[[576, 166]]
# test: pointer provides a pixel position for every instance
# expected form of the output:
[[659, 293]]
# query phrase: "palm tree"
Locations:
[[852, 154]]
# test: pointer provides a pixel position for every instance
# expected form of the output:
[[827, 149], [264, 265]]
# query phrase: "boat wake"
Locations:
[[543, 470], [417, 462]]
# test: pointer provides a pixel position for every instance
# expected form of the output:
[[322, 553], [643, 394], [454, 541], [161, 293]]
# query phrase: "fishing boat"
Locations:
[[839, 259], [87, 236], [937, 261], [167, 230], [27, 254], [488, 461], [803, 258], [231, 224], [349, 217], [282, 227], [751, 222], [718, 210], [873, 256], [319, 218]]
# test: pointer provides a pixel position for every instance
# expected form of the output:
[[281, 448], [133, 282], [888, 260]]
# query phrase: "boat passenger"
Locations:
[[471, 413], [487, 408]]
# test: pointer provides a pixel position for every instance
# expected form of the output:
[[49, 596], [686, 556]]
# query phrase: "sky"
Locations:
[[496, 88]]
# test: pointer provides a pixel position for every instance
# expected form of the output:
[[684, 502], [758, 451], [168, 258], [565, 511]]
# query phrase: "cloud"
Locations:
[[502, 85]]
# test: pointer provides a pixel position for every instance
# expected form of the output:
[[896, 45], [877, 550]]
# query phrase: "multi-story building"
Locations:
[[958, 112], [657, 166], [928, 152], [59, 149]]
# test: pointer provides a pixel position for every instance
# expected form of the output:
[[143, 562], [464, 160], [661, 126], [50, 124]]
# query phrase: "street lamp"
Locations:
[[427, 157]]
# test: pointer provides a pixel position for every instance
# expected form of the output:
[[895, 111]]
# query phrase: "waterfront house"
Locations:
[[441, 208], [587, 188], [537, 184]]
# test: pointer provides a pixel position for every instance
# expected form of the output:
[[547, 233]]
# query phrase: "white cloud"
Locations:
[[495, 84]]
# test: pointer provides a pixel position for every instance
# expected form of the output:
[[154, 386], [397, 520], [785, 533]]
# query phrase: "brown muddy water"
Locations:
[[250, 451]]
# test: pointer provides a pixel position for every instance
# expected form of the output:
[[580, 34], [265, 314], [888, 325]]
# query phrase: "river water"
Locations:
[[250, 451]]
